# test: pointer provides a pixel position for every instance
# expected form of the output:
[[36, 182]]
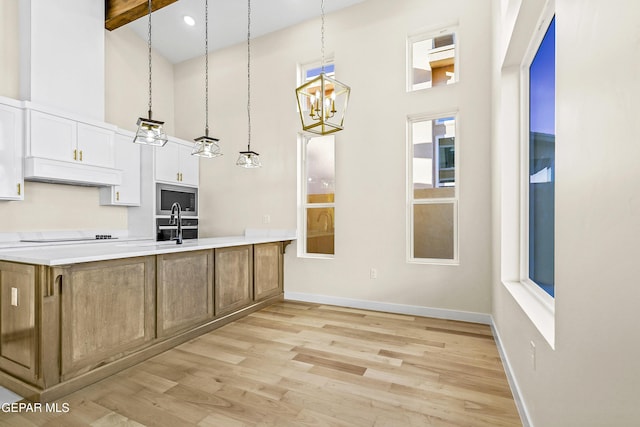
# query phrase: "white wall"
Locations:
[[593, 375], [368, 42], [66, 207]]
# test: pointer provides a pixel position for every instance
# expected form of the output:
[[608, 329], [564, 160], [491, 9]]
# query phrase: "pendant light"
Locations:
[[150, 132], [206, 146], [249, 159], [322, 102]]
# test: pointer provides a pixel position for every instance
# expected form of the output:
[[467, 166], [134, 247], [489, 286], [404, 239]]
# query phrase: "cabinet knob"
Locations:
[[80, 155], [178, 176], [75, 154], [117, 195], [19, 189]]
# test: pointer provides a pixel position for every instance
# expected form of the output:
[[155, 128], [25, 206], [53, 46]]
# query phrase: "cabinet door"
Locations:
[[233, 279], [189, 166], [11, 173], [52, 137], [17, 320], [127, 159], [267, 270], [168, 163], [184, 290], [95, 145], [107, 311]]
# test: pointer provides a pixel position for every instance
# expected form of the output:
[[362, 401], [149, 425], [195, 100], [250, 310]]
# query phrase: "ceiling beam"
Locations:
[[121, 12]]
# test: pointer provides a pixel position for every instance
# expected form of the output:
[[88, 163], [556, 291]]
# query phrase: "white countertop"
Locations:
[[61, 254]]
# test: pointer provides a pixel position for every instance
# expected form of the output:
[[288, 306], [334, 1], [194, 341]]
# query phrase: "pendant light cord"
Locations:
[[322, 32], [206, 68], [149, 43], [249, 75]]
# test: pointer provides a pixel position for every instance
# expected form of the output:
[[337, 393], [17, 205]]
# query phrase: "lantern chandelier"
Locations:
[[249, 159], [150, 132], [322, 101], [206, 146]]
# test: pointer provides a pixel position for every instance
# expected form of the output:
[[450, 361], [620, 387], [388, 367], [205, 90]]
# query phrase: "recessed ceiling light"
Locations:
[[189, 20]]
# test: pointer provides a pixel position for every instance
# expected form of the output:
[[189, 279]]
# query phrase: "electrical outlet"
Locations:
[[266, 219], [14, 297], [532, 348], [373, 273]]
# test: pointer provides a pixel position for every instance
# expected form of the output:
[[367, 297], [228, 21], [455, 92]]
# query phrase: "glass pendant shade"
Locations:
[[150, 132], [206, 147], [322, 103], [249, 159]]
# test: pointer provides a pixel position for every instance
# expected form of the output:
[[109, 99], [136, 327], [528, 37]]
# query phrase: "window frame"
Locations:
[[431, 33], [303, 203], [303, 139], [532, 287], [411, 201]]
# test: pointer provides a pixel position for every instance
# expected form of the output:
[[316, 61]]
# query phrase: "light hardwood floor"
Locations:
[[296, 364]]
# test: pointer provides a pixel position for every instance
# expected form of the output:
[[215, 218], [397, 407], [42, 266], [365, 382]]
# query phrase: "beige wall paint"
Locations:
[[59, 207], [592, 377], [127, 84], [368, 42], [9, 49], [65, 207]]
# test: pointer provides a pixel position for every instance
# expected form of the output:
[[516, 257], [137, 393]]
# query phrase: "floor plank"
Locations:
[[299, 364]]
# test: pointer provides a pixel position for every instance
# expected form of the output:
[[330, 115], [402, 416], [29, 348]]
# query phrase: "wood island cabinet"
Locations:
[[267, 270], [107, 310], [233, 278], [64, 327], [18, 347], [184, 290]]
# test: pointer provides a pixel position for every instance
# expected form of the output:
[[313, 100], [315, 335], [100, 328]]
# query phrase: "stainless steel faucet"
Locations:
[[172, 220]]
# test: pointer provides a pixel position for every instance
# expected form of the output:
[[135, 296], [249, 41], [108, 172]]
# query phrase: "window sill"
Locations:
[[541, 314], [316, 256]]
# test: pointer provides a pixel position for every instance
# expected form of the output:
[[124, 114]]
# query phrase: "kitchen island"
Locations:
[[73, 314]]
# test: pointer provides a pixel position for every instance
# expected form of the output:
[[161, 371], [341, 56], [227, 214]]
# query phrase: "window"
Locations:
[[432, 59], [317, 184], [541, 164], [432, 193], [318, 194]]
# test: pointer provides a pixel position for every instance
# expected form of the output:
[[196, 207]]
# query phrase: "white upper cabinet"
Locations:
[[60, 148], [59, 138], [11, 173], [96, 145], [175, 164], [127, 159]]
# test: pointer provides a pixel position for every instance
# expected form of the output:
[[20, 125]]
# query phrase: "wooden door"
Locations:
[[18, 348], [184, 290], [233, 278], [267, 270], [107, 311]]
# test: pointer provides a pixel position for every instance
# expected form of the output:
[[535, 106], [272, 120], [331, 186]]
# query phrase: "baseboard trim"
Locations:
[[415, 310], [513, 383]]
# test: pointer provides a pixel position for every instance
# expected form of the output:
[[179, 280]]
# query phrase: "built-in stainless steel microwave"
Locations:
[[167, 195]]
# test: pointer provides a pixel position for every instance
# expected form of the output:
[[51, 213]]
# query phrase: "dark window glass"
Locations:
[[542, 140]]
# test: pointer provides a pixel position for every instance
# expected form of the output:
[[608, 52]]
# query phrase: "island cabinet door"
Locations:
[[17, 320], [107, 311], [184, 290], [233, 278], [267, 270]]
